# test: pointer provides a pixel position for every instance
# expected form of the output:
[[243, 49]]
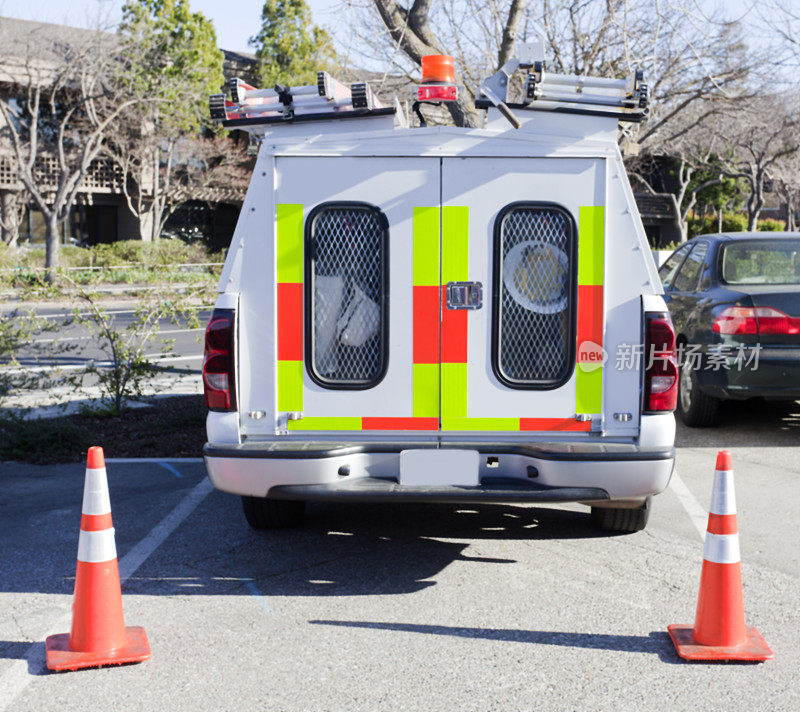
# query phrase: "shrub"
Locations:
[[731, 222], [42, 441], [770, 225]]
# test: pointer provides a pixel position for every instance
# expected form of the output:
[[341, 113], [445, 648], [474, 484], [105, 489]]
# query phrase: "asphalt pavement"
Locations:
[[416, 607]]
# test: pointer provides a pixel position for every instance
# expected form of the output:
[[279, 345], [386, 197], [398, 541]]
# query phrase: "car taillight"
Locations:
[[736, 320], [755, 320], [218, 372], [661, 364]]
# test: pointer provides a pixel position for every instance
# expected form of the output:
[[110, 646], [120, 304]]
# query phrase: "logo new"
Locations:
[[591, 356]]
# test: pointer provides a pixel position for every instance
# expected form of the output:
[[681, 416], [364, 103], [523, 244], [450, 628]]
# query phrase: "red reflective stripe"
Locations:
[[553, 424], [400, 423], [590, 314], [454, 333], [96, 522], [722, 524], [290, 321], [426, 324]]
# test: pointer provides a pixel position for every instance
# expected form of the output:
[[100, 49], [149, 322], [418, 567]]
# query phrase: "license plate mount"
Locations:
[[439, 468]]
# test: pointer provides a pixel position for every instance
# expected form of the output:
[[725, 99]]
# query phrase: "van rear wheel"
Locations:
[[616, 519], [264, 513]]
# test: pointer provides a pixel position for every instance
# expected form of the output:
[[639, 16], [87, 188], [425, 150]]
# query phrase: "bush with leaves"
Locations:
[[731, 222], [132, 351]]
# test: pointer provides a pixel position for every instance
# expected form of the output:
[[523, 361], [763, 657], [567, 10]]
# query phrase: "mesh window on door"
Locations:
[[346, 289], [534, 275]]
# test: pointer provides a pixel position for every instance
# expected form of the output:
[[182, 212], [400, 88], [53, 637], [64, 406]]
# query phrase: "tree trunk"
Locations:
[[755, 201], [51, 247], [155, 206], [10, 218], [719, 220], [753, 211], [679, 222]]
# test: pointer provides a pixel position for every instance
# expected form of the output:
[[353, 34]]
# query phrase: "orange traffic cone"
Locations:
[[98, 636], [719, 632]]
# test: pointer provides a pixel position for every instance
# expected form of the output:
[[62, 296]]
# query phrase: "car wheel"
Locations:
[[695, 408], [616, 519], [263, 513]]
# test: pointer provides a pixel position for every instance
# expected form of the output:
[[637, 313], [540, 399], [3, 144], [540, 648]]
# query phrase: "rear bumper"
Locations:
[[776, 376], [507, 474]]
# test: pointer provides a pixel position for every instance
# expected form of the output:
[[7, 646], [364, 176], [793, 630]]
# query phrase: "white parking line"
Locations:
[[89, 338], [22, 671], [696, 513], [154, 358], [128, 460], [58, 315]]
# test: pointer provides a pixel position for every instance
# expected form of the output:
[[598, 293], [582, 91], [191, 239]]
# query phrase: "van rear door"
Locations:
[[353, 236], [530, 235]]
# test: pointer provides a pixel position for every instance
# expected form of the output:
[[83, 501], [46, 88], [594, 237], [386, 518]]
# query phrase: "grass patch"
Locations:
[[171, 427]]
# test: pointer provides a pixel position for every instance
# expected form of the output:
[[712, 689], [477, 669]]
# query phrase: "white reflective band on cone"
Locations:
[[722, 548], [723, 496], [95, 493], [96, 547]]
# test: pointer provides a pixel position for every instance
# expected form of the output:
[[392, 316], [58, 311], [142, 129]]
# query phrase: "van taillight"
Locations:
[[661, 364], [218, 373]]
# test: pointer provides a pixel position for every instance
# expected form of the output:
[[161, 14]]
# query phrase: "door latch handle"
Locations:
[[464, 295]]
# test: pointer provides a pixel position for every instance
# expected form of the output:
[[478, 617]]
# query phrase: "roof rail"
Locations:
[[625, 99], [325, 100]]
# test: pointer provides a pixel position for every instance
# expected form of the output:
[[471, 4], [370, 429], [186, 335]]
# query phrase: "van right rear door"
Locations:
[[527, 356]]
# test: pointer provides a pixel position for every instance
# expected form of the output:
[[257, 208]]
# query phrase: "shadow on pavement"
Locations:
[[656, 642], [355, 550], [16, 649], [753, 423], [342, 550]]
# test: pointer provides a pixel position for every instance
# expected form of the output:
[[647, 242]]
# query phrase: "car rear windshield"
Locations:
[[761, 262]]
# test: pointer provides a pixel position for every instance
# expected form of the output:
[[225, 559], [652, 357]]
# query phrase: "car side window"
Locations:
[[668, 270], [686, 279]]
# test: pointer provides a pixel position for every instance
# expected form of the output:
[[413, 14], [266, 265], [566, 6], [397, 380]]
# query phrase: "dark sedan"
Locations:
[[735, 302]]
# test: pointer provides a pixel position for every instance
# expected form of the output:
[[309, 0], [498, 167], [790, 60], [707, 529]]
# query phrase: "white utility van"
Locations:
[[440, 313]]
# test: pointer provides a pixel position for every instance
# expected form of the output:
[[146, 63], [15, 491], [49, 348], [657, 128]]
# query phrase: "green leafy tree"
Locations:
[[716, 191], [290, 48], [172, 63]]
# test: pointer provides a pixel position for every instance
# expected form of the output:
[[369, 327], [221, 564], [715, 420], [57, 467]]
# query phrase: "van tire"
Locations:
[[695, 408], [264, 513], [616, 519]]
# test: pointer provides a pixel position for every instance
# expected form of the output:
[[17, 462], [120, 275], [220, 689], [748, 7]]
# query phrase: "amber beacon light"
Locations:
[[438, 68], [438, 79]]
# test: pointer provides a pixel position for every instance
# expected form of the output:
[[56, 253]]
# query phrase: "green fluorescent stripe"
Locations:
[[290, 242], [426, 247], [591, 239], [455, 240], [426, 390], [480, 424], [454, 390], [325, 424], [588, 391], [290, 385]]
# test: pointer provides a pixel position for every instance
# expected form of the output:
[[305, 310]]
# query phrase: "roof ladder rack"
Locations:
[[327, 99], [625, 99]]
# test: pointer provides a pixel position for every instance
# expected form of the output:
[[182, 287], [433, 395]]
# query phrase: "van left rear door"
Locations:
[[356, 237]]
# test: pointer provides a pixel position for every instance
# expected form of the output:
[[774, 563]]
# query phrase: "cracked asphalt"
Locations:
[[418, 607]]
